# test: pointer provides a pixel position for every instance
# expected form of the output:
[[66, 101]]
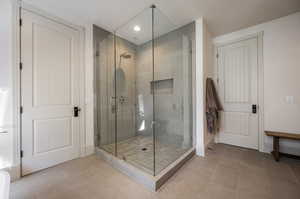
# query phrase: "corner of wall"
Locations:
[[199, 88], [14, 172], [204, 69], [89, 150], [89, 89]]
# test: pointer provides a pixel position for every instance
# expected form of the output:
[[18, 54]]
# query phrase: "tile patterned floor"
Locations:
[[131, 151], [226, 172]]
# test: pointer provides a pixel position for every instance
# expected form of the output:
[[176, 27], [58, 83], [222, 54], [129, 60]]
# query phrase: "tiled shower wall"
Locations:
[[105, 84], [174, 58], [173, 84]]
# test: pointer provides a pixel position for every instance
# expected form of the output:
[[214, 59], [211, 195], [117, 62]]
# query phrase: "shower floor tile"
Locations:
[[138, 151]]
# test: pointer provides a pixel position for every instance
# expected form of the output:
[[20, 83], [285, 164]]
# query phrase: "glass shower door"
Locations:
[[104, 89], [134, 72], [172, 90]]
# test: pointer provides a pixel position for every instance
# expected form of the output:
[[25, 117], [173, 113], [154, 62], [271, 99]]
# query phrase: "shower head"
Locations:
[[125, 55]]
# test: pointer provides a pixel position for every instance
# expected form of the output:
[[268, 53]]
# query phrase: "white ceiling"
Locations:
[[162, 25], [222, 16]]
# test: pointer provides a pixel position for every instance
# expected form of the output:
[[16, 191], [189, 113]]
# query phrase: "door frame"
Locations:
[[259, 36], [17, 5]]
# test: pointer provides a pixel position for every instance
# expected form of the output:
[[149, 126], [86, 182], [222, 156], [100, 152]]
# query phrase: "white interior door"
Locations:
[[238, 90], [50, 91]]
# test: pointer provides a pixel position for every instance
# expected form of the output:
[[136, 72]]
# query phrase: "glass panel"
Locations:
[[105, 108], [144, 90], [134, 74], [172, 90]]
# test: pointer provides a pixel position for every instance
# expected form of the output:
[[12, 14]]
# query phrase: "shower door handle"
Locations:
[[114, 104], [153, 123], [114, 108]]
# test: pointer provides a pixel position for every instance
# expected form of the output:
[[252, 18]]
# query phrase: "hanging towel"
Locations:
[[213, 106]]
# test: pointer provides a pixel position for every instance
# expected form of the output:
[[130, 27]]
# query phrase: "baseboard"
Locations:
[[210, 143], [284, 147], [200, 151], [14, 172], [89, 150]]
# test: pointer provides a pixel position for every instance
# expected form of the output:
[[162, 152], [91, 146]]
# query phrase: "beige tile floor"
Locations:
[[226, 172]]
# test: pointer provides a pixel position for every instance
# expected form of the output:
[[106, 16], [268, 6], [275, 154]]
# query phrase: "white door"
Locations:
[[238, 90], [50, 91]]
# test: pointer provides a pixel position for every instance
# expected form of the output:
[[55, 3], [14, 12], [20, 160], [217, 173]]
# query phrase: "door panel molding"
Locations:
[[237, 86], [49, 90], [241, 37], [16, 39]]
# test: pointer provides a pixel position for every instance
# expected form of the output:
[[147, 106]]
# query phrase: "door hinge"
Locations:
[[21, 109], [21, 65], [20, 22], [21, 153], [217, 55]]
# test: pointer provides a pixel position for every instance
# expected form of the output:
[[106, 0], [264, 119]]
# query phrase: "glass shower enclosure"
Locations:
[[143, 88]]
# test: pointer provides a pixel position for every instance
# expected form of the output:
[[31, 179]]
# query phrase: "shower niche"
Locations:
[[162, 86], [143, 85]]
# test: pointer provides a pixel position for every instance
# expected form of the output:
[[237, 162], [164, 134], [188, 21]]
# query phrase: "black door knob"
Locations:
[[76, 111], [254, 108]]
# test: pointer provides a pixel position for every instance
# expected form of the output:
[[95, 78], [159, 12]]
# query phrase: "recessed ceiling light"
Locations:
[[137, 28]]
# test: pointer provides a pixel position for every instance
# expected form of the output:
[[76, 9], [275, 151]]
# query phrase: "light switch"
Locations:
[[289, 99]]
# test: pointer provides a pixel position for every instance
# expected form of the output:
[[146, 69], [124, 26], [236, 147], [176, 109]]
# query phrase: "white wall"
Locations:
[[89, 89], [281, 57], [208, 71], [204, 69], [6, 85], [199, 124]]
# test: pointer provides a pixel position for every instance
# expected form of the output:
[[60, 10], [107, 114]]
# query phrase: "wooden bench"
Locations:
[[276, 136]]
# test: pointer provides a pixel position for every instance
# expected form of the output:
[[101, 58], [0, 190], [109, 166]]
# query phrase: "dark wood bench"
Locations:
[[276, 136]]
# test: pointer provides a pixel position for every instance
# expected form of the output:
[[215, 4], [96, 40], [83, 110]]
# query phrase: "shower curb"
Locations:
[[151, 182]]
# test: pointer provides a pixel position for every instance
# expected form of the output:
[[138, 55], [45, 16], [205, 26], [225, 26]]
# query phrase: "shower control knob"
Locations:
[[122, 99]]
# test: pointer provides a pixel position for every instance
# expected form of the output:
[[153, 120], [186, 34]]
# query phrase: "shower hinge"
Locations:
[[21, 109], [21, 65], [20, 22], [21, 153]]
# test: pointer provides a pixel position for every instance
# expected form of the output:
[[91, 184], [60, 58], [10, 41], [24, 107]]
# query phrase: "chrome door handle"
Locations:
[[153, 123]]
